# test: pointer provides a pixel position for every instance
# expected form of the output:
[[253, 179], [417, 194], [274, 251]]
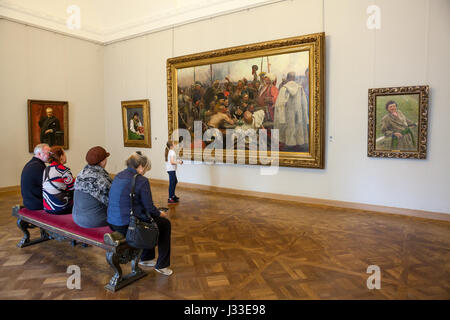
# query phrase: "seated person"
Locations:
[[217, 120], [58, 183], [246, 104], [118, 214], [252, 120], [90, 199], [31, 178]]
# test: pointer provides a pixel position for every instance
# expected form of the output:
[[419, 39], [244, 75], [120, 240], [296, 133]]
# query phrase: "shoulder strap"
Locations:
[[133, 184]]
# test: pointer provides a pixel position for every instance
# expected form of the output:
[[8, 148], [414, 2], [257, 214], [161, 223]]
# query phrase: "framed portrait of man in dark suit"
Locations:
[[48, 123]]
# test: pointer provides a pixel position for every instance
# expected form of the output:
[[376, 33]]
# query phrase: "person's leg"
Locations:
[[171, 184], [164, 227], [122, 229], [147, 254], [175, 184]]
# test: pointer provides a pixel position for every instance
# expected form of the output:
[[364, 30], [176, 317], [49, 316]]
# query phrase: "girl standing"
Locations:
[[171, 166]]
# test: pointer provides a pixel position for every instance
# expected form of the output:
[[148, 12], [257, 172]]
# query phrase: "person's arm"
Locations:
[[410, 123], [146, 197], [228, 119], [172, 158], [57, 126], [174, 161], [69, 180], [385, 127], [132, 126], [274, 93]]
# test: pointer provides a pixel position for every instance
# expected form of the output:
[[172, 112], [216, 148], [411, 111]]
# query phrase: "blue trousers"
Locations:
[[172, 183]]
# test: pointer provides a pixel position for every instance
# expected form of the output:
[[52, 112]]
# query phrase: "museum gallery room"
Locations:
[[225, 150]]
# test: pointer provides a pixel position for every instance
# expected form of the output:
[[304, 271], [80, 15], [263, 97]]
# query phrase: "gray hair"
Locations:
[[39, 147], [138, 159]]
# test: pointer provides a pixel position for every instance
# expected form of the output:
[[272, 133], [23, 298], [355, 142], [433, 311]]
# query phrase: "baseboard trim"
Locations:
[[315, 201], [10, 189], [297, 199]]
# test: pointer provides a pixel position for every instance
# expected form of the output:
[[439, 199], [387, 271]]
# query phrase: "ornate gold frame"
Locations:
[[422, 124], [315, 43], [65, 105], [145, 105]]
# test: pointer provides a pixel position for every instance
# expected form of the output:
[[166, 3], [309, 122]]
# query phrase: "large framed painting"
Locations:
[[251, 103], [398, 122], [48, 122], [136, 123]]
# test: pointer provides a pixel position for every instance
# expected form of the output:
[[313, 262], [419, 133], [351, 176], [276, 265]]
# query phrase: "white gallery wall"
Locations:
[[411, 48], [37, 64]]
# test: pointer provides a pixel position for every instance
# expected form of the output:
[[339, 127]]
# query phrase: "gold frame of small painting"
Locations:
[[398, 122], [136, 123]]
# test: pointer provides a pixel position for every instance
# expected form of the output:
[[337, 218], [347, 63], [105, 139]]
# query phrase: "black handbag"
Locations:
[[141, 234]]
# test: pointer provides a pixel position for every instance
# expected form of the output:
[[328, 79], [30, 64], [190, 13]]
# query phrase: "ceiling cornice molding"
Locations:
[[159, 21], [14, 11]]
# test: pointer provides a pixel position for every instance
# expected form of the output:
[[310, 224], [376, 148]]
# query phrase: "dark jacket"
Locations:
[[120, 203], [31, 184]]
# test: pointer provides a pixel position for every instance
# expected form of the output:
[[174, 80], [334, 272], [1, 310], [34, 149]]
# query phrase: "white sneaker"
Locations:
[[165, 271], [148, 263]]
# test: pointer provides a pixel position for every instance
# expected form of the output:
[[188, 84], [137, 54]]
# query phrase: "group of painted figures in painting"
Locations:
[[260, 102]]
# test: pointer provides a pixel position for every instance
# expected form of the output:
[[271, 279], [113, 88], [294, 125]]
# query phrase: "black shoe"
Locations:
[[176, 198]]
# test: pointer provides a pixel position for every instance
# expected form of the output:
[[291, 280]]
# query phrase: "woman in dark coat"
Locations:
[[118, 216]]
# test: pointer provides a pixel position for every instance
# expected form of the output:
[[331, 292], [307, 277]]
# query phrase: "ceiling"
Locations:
[[107, 21]]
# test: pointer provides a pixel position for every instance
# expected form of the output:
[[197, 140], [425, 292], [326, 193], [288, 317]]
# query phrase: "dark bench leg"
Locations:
[[135, 257], [25, 241], [115, 259]]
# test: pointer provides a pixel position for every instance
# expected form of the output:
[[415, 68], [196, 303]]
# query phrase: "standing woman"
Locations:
[[118, 214], [171, 166], [58, 183]]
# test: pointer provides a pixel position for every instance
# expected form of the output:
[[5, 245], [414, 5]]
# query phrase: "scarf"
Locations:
[[95, 181]]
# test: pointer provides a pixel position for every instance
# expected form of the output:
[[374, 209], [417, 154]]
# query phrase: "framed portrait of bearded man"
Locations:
[[48, 122], [257, 104]]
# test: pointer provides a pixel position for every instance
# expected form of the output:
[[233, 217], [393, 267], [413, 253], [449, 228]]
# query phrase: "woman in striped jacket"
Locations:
[[58, 183]]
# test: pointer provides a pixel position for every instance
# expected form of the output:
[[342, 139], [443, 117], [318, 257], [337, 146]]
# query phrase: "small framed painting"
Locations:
[[136, 123], [48, 122], [398, 122]]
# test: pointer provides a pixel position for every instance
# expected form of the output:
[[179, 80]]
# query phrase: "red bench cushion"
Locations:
[[65, 222]]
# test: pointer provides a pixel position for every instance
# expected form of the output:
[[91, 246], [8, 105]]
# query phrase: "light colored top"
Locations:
[[132, 126], [172, 155]]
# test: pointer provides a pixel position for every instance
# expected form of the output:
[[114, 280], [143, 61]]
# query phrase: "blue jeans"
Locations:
[[172, 183]]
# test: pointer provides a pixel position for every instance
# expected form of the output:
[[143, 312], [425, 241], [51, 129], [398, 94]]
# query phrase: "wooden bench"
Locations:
[[62, 227]]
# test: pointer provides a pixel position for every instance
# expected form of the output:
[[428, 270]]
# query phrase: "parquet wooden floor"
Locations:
[[229, 247]]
